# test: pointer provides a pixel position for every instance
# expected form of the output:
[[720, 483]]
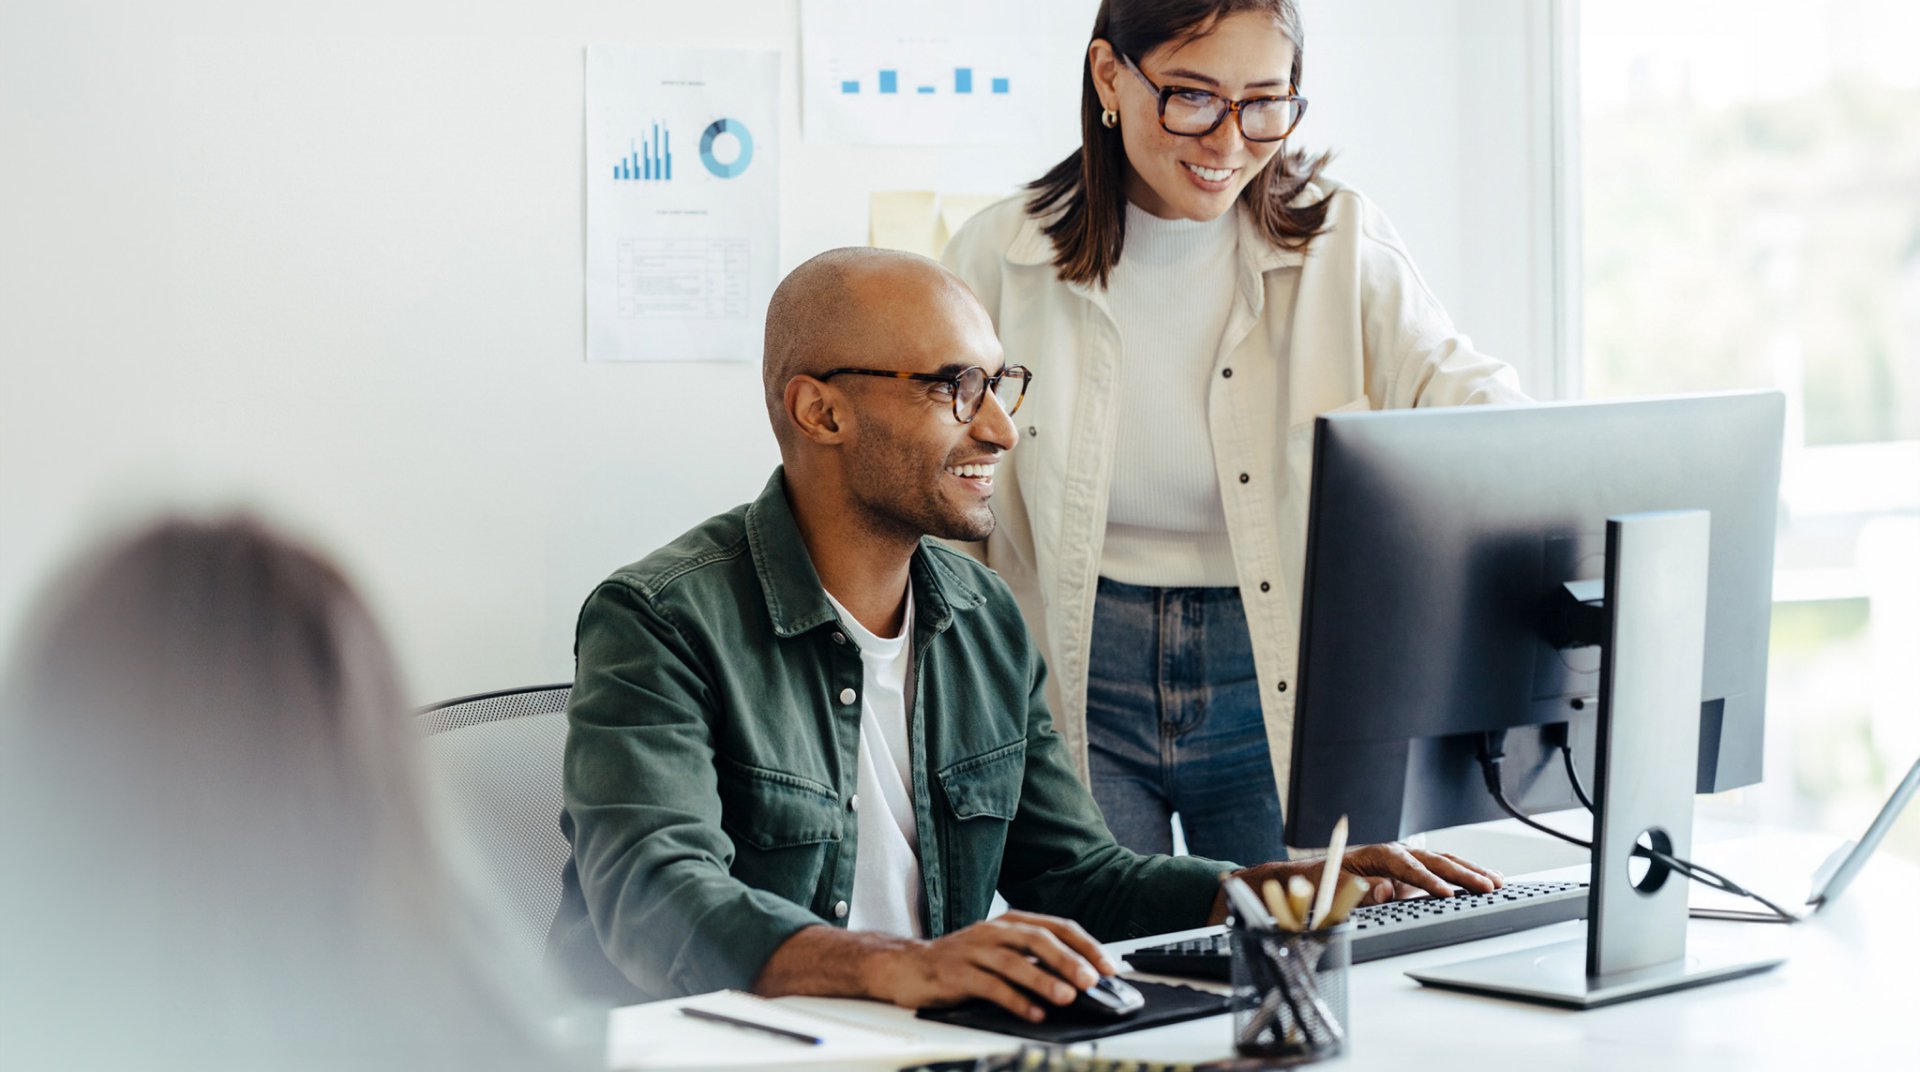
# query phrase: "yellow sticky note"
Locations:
[[904, 219], [955, 211]]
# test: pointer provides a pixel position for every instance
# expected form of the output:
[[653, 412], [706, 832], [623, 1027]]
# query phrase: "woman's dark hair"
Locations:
[[1086, 193]]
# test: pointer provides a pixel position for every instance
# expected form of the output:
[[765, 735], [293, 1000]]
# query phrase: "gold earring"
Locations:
[[1109, 118]]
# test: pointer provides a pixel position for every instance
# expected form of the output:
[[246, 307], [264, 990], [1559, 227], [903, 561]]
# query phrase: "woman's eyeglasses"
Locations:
[[1196, 113]]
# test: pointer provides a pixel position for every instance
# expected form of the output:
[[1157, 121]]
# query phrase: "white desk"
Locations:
[[1847, 993]]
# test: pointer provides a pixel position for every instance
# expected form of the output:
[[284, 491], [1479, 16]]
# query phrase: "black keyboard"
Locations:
[[1398, 927]]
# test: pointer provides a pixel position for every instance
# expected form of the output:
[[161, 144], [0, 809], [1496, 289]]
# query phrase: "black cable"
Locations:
[[1697, 872], [1573, 775], [1493, 755], [1694, 871], [1718, 881]]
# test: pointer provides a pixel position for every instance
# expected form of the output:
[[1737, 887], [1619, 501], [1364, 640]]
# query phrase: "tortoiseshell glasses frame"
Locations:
[[1200, 112], [969, 385]]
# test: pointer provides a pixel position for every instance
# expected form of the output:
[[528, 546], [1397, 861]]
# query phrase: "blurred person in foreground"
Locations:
[[219, 844], [807, 742]]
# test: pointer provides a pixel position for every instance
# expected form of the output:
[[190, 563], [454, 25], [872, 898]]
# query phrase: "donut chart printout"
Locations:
[[682, 169]]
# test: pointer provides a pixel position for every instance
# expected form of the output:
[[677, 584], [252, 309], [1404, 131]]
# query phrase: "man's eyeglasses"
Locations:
[[968, 387], [1196, 113]]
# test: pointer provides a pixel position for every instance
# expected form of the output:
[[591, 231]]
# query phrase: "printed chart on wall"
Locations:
[[913, 72], [683, 202]]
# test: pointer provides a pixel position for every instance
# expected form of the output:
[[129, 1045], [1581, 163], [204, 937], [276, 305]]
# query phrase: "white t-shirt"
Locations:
[[887, 892]]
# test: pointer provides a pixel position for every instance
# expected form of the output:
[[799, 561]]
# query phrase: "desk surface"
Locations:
[[1845, 993]]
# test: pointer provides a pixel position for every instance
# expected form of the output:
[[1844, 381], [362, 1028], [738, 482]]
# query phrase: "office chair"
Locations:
[[498, 757]]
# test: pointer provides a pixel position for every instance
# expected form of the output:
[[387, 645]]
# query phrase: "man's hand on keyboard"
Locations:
[[1397, 872], [1393, 870]]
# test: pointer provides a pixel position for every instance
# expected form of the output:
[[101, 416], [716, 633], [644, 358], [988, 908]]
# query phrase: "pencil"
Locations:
[[1329, 875], [734, 1021]]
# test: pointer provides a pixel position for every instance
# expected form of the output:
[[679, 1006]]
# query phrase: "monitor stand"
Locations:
[[1654, 640]]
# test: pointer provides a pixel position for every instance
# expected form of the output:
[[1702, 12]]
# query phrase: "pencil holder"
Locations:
[[1289, 993]]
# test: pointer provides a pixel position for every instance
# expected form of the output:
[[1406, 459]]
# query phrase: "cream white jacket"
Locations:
[[1365, 333]]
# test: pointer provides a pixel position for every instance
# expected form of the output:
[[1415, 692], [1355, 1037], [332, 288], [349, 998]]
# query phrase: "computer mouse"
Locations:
[[1109, 1000], [1112, 998]]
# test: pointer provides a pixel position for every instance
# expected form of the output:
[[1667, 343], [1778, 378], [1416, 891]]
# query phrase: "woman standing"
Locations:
[[1192, 293]]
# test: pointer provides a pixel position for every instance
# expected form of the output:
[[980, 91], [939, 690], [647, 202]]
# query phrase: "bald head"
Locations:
[[847, 307]]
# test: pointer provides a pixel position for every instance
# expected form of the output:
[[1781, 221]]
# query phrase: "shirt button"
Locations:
[[1226, 373], [1032, 431], [853, 802], [847, 696], [1244, 478], [839, 638], [1265, 587], [1283, 686], [840, 910]]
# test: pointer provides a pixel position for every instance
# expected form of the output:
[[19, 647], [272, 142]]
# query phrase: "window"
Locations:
[[1750, 177]]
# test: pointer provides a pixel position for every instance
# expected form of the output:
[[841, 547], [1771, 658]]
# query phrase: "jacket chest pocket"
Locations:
[[983, 796], [783, 827]]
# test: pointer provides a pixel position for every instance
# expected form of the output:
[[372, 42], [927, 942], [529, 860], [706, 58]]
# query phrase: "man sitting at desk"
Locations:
[[807, 743]]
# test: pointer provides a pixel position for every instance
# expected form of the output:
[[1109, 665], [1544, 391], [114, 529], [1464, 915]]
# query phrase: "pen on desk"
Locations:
[[734, 1021]]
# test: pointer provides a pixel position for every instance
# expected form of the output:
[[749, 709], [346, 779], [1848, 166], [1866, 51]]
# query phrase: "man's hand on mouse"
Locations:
[[1050, 957]]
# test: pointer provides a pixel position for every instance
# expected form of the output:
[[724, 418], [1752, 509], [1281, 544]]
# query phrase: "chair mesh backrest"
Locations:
[[499, 758]]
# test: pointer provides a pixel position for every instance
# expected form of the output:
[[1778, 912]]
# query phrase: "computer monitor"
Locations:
[[1439, 546]]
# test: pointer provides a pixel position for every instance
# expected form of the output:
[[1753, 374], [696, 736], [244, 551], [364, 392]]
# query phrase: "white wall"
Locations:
[[326, 259], [1440, 111]]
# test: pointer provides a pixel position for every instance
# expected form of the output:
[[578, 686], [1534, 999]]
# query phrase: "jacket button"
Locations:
[[1283, 686], [840, 910], [839, 638], [1244, 478], [847, 696], [1265, 587], [853, 802], [1226, 373]]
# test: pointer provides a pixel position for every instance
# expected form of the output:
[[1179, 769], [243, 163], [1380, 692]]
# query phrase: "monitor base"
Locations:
[[1557, 975]]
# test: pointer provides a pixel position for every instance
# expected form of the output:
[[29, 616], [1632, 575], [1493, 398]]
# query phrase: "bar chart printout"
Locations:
[[648, 159], [681, 256], [908, 73], [889, 82]]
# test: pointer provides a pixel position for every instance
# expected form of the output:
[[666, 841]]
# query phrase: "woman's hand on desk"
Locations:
[[1392, 870]]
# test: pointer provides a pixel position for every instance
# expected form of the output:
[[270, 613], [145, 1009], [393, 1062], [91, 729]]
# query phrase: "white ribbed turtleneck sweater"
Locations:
[[1170, 295]]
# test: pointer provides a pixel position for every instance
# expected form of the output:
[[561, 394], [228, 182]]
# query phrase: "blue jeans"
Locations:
[[1174, 724]]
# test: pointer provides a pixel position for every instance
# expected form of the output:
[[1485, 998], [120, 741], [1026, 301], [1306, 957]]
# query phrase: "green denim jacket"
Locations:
[[711, 757]]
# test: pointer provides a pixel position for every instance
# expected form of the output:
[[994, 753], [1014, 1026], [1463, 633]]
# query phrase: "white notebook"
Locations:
[[658, 1037]]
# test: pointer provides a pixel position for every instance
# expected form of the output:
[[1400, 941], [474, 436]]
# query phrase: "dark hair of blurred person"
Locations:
[[219, 846]]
